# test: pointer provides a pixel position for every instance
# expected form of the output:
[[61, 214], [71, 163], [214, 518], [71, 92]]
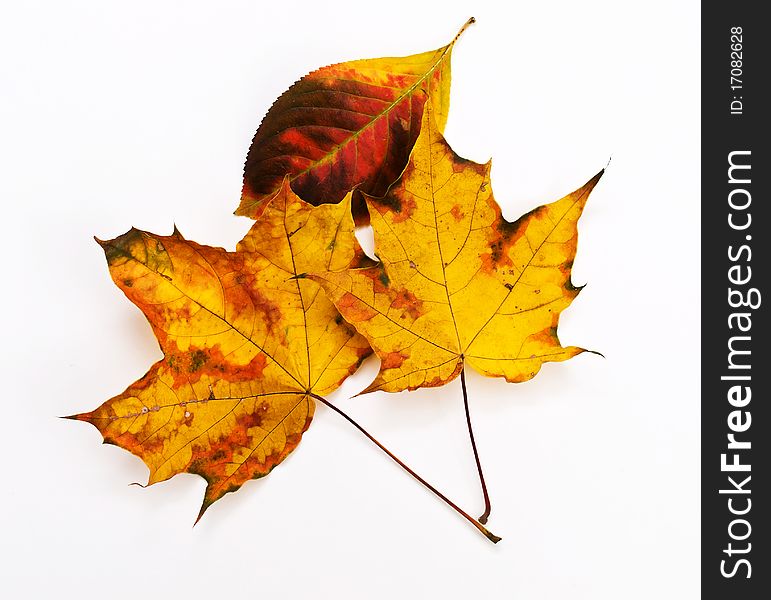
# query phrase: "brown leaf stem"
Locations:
[[489, 535], [486, 514]]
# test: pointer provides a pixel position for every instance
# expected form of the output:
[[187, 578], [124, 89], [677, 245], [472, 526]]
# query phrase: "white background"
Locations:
[[120, 114]]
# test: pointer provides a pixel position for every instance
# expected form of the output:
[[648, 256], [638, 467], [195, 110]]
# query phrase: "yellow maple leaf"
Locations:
[[457, 283], [246, 344]]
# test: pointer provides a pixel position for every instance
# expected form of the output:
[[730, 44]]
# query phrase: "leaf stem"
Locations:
[[486, 514], [489, 535], [466, 25]]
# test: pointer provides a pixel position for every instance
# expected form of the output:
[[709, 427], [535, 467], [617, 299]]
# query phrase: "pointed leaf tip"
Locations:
[[204, 507]]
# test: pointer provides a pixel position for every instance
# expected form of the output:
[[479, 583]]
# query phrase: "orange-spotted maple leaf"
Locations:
[[249, 346], [457, 284], [345, 126], [246, 344]]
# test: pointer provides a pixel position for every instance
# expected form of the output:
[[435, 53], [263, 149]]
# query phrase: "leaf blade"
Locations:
[[345, 126], [233, 394], [457, 276]]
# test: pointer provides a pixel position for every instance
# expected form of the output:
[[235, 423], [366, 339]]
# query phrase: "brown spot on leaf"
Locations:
[[407, 300], [252, 419], [393, 360], [189, 366], [198, 359], [399, 205], [502, 237], [379, 279]]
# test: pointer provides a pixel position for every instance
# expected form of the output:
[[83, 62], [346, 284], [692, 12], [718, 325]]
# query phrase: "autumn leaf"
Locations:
[[346, 125], [457, 283], [250, 344], [246, 344]]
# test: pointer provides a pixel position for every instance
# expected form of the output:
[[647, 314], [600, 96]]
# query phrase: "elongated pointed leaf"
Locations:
[[347, 125]]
